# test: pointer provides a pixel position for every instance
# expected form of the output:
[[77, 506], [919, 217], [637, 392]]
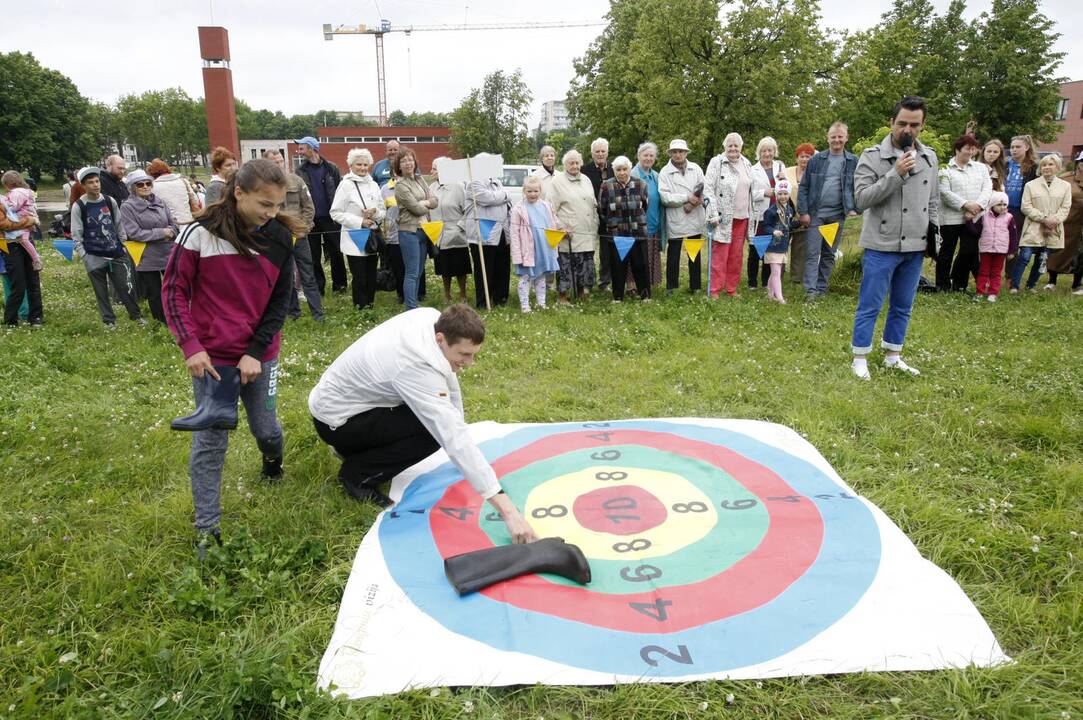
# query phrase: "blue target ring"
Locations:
[[844, 568]]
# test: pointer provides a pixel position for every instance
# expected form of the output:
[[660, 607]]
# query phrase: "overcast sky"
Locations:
[[281, 62]]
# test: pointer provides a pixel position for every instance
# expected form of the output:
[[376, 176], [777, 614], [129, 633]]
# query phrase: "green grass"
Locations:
[[106, 613]]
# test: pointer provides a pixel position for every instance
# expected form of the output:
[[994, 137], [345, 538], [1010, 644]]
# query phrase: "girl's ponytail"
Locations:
[[222, 219]]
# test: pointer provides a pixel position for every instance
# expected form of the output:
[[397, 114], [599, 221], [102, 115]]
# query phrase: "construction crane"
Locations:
[[385, 27]]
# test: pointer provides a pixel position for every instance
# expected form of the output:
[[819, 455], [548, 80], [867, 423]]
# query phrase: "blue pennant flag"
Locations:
[[487, 229], [624, 244], [760, 242], [360, 237], [65, 248]]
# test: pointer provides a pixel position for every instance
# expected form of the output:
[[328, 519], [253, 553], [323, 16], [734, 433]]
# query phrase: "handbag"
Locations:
[[375, 242]]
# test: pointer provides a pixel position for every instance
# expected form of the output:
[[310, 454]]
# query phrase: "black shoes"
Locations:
[[204, 540], [366, 490], [272, 469], [219, 408]]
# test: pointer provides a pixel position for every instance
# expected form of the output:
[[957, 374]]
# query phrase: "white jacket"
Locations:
[[759, 175], [354, 195], [960, 185], [546, 179], [398, 362], [675, 189], [177, 194], [721, 187], [576, 206]]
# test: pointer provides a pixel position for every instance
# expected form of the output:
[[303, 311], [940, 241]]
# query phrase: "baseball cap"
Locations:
[[310, 141]]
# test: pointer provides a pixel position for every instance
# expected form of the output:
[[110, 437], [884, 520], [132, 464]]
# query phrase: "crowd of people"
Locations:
[[224, 265]]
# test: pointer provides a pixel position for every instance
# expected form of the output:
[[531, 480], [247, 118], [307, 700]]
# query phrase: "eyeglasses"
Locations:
[[142, 183]]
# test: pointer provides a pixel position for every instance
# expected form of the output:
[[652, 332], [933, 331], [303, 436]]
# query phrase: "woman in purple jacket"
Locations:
[[147, 220]]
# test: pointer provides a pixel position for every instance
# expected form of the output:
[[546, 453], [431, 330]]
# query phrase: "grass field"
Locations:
[[107, 614]]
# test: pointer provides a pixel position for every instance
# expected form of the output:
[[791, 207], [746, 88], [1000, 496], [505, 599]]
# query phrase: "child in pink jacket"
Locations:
[[531, 253], [999, 239], [21, 203]]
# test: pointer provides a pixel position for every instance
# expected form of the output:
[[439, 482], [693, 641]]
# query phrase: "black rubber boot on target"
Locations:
[[478, 570], [219, 408]]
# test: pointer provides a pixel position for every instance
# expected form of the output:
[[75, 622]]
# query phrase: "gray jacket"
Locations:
[[898, 210]]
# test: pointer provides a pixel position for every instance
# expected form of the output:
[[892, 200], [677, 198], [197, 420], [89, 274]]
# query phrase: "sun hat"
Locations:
[[137, 176], [677, 144]]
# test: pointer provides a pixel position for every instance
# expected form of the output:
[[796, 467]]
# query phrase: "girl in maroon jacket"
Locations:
[[225, 294]]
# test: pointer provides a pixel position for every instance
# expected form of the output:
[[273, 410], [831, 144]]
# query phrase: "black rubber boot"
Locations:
[[272, 469], [478, 570], [366, 490], [219, 408]]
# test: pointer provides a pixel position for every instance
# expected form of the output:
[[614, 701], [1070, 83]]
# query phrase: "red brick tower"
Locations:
[[218, 89]]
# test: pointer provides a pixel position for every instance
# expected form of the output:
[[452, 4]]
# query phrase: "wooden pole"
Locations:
[[481, 240]]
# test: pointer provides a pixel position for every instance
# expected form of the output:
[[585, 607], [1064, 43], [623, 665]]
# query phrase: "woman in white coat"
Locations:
[[1047, 200], [767, 172], [359, 205], [576, 206], [733, 191]]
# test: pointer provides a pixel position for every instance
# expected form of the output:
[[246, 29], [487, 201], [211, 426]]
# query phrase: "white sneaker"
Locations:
[[1014, 291], [992, 298], [898, 364], [860, 370], [1078, 291], [1050, 286]]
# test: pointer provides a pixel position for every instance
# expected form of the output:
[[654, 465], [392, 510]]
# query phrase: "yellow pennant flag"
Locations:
[[829, 232], [136, 249], [433, 230], [692, 246], [554, 236], [294, 239], [3, 245]]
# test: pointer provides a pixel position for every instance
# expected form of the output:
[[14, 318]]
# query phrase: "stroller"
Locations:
[[61, 226]]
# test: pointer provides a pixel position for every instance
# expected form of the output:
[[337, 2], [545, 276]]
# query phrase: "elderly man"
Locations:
[[392, 399], [825, 196], [680, 185], [322, 178], [381, 171], [299, 204], [600, 170], [895, 184]]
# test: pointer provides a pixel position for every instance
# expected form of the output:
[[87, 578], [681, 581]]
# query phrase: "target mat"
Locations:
[[718, 549]]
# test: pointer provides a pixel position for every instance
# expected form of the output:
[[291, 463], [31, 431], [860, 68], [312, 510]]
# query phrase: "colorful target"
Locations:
[[710, 549]]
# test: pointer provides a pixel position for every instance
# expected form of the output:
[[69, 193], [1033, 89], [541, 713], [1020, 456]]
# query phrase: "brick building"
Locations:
[[428, 143], [1069, 112]]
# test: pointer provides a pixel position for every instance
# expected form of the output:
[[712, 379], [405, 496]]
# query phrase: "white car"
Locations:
[[514, 177]]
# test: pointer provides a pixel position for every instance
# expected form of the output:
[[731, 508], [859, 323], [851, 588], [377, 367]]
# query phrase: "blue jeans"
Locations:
[[897, 272], [819, 256], [1015, 275], [413, 260]]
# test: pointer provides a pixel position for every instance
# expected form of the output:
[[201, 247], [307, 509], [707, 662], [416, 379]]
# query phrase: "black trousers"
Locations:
[[605, 271], [637, 260], [25, 282], [150, 287], [673, 266], [956, 276], [497, 271], [325, 237], [378, 444], [756, 267], [363, 284]]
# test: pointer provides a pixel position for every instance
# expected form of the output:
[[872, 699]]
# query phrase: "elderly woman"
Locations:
[[766, 172], [223, 167], [147, 219], [647, 155], [486, 199], [734, 191], [965, 187], [174, 190], [1046, 202], [453, 260], [415, 201], [576, 206], [547, 156], [358, 206], [623, 207], [1069, 258]]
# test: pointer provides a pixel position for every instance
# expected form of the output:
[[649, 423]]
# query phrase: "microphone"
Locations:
[[907, 144]]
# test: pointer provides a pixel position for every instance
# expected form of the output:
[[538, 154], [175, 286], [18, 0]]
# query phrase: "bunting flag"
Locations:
[[433, 230], [624, 244], [828, 232], [135, 249], [360, 237], [3, 244], [486, 229], [65, 248], [760, 242], [692, 246], [293, 238], [554, 236]]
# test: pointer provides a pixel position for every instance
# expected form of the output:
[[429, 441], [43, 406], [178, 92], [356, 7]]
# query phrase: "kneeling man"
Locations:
[[392, 399]]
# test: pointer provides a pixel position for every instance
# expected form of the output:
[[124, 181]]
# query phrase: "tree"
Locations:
[[397, 118], [493, 118], [166, 124], [700, 78], [45, 123], [1008, 81]]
